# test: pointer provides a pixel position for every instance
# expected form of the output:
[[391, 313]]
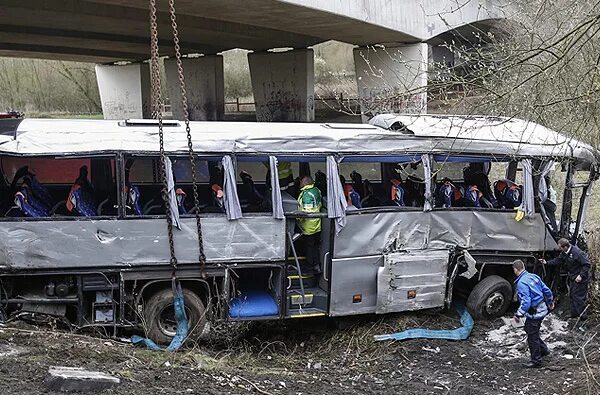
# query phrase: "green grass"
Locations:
[[67, 115]]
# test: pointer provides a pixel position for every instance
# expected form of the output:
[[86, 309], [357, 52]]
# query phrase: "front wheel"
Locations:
[[490, 298], [159, 313]]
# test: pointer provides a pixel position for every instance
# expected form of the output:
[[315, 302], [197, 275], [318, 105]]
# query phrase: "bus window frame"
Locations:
[[171, 155], [381, 160], [97, 155]]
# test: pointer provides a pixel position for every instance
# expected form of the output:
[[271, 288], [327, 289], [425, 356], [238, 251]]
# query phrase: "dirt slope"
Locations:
[[313, 357]]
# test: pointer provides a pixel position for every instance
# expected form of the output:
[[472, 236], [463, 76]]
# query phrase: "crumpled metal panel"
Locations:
[[133, 242], [376, 233], [412, 281], [500, 232]]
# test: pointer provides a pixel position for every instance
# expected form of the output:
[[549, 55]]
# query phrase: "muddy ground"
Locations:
[[314, 356]]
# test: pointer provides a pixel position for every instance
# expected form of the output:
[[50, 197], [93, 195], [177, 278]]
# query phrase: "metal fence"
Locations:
[[321, 103]]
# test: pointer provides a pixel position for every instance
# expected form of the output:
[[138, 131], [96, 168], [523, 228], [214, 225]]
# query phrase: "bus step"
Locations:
[[306, 313], [308, 281], [292, 259], [313, 298]]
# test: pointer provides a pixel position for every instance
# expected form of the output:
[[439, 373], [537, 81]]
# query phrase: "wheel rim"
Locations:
[[494, 303], [167, 322]]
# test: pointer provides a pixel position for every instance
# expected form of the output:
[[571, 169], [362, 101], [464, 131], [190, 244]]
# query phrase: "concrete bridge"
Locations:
[[116, 31]]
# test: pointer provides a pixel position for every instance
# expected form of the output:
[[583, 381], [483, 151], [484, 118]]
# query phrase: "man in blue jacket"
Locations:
[[577, 264], [535, 301]]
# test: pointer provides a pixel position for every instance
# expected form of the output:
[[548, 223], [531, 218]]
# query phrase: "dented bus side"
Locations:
[[111, 268]]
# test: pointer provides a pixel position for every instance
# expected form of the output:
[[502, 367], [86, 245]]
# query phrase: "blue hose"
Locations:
[[461, 333]]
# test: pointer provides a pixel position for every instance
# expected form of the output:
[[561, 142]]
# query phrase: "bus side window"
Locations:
[[143, 185], [404, 184], [253, 191], [381, 184], [47, 187], [464, 184]]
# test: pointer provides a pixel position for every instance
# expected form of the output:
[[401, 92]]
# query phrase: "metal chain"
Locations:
[[184, 105], [157, 107]]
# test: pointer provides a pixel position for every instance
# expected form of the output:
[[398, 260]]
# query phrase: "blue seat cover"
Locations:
[[253, 304]]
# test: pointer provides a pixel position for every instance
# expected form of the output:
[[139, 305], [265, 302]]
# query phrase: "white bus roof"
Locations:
[[458, 135]]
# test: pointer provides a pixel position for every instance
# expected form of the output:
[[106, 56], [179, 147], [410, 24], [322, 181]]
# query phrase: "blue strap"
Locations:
[[461, 333], [182, 324]]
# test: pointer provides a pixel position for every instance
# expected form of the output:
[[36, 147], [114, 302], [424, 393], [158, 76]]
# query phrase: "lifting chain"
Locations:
[[186, 117], [157, 108]]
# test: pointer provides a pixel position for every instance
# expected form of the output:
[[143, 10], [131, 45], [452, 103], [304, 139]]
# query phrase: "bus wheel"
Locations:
[[490, 298], [159, 313]]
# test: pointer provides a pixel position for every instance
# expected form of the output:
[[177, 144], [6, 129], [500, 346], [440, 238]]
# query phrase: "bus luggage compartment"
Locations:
[[412, 281]]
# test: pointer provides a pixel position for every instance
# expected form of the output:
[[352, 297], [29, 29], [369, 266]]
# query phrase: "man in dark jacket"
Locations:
[[577, 264]]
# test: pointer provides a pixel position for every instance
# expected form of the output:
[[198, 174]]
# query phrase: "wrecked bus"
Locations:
[[415, 209]]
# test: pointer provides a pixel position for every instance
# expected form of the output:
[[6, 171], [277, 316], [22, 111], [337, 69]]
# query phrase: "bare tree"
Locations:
[[37, 86]]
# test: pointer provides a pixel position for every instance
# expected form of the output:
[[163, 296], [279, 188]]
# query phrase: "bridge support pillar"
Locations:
[[283, 85], [124, 91], [205, 88], [392, 79]]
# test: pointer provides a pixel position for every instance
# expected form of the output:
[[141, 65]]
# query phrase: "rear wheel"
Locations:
[[490, 298], [159, 313]]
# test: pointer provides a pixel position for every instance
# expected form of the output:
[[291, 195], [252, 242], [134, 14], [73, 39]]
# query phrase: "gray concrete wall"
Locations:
[[283, 85], [124, 91], [204, 88], [392, 79]]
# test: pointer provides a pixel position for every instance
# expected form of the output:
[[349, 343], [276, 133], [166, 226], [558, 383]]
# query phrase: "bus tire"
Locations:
[[490, 298], [159, 314]]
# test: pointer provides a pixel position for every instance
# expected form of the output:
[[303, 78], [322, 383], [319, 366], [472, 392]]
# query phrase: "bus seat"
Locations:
[[151, 206], [249, 191], [352, 197], [133, 199], [218, 197], [200, 207], [58, 205], [357, 182], [321, 182], [31, 197], [180, 195], [101, 206], [473, 196], [448, 194], [26, 207], [41, 193], [397, 192], [370, 199], [80, 202], [13, 211], [508, 194], [414, 191]]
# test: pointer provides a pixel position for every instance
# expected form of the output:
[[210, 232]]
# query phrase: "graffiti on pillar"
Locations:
[[200, 108], [122, 106], [146, 107], [279, 104], [203, 111], [311, 103]]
